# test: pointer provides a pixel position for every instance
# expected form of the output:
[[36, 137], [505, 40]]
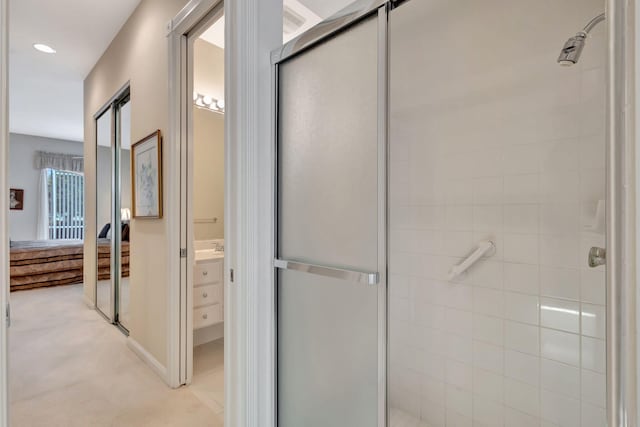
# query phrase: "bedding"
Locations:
[[36, 264]]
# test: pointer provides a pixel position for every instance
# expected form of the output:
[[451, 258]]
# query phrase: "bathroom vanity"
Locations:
[[208, 292], [208, 287]]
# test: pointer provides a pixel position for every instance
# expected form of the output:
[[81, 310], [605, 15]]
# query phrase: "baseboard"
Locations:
[[147, 358], [210, 333]]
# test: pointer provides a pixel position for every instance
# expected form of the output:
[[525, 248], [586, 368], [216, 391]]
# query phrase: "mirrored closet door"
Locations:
[[113, 182], [104, 179]]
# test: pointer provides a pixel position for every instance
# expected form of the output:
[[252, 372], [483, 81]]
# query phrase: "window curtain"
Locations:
[[42, 232], [65, 162], [44, 161]]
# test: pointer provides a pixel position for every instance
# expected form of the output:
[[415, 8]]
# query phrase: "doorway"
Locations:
[[205, 209]]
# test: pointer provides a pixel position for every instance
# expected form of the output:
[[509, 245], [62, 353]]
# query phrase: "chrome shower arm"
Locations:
[[595, 21]]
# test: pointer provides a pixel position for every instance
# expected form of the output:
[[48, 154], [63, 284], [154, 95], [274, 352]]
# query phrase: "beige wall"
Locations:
[[208, 69], [208, 135], [208, 174], [138, 54]]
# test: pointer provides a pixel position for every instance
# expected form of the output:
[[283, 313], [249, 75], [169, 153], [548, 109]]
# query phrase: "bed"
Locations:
[[44, 263]]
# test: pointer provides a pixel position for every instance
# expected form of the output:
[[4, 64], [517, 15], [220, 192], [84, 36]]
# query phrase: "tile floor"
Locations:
[[208, 375], [70, 368]]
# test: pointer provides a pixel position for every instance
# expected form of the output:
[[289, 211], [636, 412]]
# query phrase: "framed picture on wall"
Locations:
[[146, 176], [16, 199]]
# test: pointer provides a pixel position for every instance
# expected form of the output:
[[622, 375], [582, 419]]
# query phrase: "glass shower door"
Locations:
[[492, 141], [329, 270]]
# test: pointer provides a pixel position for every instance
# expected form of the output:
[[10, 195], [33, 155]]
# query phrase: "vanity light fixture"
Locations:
[[208, 102], [43, 48]]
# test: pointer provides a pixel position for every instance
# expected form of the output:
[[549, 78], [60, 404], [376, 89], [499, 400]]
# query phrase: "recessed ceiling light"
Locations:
[[44, 48]]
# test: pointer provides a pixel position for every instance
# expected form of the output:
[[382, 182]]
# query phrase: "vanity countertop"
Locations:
[[204, 255]]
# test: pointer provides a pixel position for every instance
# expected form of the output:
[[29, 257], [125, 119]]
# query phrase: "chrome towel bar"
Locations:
[[335, 273]]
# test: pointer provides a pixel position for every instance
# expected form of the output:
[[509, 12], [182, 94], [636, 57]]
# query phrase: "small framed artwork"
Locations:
[[16, 199], [146, 176]]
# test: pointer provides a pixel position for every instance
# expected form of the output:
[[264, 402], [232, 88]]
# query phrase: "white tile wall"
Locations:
[[510, 149]]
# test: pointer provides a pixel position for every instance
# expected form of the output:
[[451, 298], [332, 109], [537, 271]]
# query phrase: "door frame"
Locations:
[[253, 28], [4, 211], [187, 191], [178, 30], [622, 238]]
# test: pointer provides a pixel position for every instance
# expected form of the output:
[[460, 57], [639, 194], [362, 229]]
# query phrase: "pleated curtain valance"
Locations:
[[65, 162]]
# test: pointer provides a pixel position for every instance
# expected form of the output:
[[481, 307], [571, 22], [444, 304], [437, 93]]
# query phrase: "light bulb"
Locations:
[[220, 104], [44, 48], [207, 100]]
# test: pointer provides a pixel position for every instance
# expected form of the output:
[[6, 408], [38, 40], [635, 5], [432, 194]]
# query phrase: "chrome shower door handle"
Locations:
[[597, 256]]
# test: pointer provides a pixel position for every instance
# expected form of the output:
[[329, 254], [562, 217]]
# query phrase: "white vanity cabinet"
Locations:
[[208, 292]]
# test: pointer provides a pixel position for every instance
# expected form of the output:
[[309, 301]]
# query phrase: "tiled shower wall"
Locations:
[[492, 140]]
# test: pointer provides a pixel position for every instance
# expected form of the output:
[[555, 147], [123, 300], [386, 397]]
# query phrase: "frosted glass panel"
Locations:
[[327, 352], [328, 152], [485, 147], [328, 204]]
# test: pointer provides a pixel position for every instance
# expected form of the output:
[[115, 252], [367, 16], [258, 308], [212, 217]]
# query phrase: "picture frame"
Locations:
[[146, 177], [16, 199]]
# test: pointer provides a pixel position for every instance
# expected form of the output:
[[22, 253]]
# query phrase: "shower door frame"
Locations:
[[347, 18], [621, 211], [621, 198]]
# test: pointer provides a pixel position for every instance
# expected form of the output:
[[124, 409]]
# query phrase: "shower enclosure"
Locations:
[[441, 198]]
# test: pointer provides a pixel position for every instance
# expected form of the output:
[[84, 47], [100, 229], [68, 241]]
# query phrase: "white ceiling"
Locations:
[[303, 14], [46, 89], [215, 33], [326, 8]]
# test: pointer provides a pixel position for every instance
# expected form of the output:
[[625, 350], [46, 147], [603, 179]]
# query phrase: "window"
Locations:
[[66, 204]]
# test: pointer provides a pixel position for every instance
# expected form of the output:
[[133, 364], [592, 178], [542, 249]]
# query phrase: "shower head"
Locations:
[[570, 53]]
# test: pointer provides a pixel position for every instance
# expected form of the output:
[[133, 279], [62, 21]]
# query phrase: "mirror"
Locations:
[[104, 209], [125, 211], [113, 185]]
